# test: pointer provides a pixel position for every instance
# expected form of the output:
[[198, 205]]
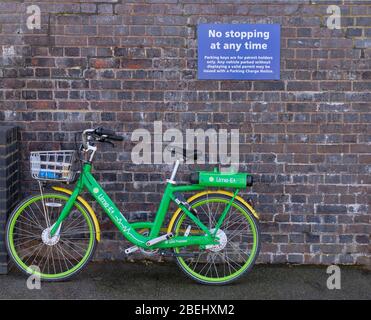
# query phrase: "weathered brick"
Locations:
[[104, 63], [269, 85]]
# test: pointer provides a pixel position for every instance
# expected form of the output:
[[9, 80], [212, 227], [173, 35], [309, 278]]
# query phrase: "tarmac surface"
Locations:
[[164, 281]]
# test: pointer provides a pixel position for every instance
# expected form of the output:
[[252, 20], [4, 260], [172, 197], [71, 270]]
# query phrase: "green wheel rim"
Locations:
[[40, 274], [246, 264]]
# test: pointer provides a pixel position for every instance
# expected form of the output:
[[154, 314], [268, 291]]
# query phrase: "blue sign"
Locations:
[[239, 51]]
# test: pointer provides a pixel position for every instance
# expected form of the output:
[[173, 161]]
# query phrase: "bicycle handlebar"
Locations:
[[108, 134], [100, 134]]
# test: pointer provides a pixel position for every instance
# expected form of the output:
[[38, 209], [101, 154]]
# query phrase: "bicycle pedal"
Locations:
[[131, 249], [159, 239], [184, 255], [173, 254], [188, 230]]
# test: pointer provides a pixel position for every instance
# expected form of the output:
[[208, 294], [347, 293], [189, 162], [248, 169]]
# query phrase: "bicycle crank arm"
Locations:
[[173, 254], [149, 243], [159, 239], [131, 249]]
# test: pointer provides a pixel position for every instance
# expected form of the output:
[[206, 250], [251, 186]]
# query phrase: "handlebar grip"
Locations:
[[102, 131], [109, 133], [115, 137]]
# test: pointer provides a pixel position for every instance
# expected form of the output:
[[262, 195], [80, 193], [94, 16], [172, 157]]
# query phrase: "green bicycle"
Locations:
[[214, 235]]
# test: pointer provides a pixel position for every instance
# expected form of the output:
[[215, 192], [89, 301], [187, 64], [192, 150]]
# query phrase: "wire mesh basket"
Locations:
[[53, 165]]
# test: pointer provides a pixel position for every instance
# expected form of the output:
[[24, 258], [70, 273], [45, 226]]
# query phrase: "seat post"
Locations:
[[173, 174]]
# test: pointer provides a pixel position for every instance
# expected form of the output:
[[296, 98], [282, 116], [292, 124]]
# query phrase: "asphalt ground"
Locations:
[[165, 281]]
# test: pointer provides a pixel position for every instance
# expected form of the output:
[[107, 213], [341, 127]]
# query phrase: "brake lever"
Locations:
[[109, 142]]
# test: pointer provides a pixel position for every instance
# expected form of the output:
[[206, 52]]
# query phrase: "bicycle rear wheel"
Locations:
[[239, 241], [51, 258]]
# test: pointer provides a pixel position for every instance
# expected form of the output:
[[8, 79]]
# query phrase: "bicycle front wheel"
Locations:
[[238, 246], [34, 251]]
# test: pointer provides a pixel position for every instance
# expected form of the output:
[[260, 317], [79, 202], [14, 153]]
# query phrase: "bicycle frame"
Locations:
[[88, 182]]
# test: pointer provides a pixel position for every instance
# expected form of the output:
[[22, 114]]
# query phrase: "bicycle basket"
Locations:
[[53, 165]]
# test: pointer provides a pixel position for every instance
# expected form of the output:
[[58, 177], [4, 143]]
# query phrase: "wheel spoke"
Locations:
[[35, 217], [33, 222]]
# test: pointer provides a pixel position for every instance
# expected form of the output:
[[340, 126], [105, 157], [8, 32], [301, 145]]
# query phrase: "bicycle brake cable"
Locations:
[[78, 149]]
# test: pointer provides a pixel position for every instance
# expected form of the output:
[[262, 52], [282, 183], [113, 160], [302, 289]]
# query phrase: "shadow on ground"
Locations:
[[118, 280]]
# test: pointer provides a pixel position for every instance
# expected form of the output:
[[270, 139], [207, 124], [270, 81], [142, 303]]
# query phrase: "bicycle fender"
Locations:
[[200, 194], [87, 207]]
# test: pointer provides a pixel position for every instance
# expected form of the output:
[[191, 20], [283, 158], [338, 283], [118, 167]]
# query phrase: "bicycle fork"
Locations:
[[66, 210]]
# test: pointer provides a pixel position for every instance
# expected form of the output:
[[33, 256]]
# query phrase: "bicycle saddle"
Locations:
[[184, 152]]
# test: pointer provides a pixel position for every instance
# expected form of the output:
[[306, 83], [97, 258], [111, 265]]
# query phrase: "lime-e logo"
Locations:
[[225, 180], [105, 204]]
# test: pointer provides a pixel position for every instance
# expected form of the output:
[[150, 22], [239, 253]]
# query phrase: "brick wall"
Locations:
[[124, 64], [9, 183]]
